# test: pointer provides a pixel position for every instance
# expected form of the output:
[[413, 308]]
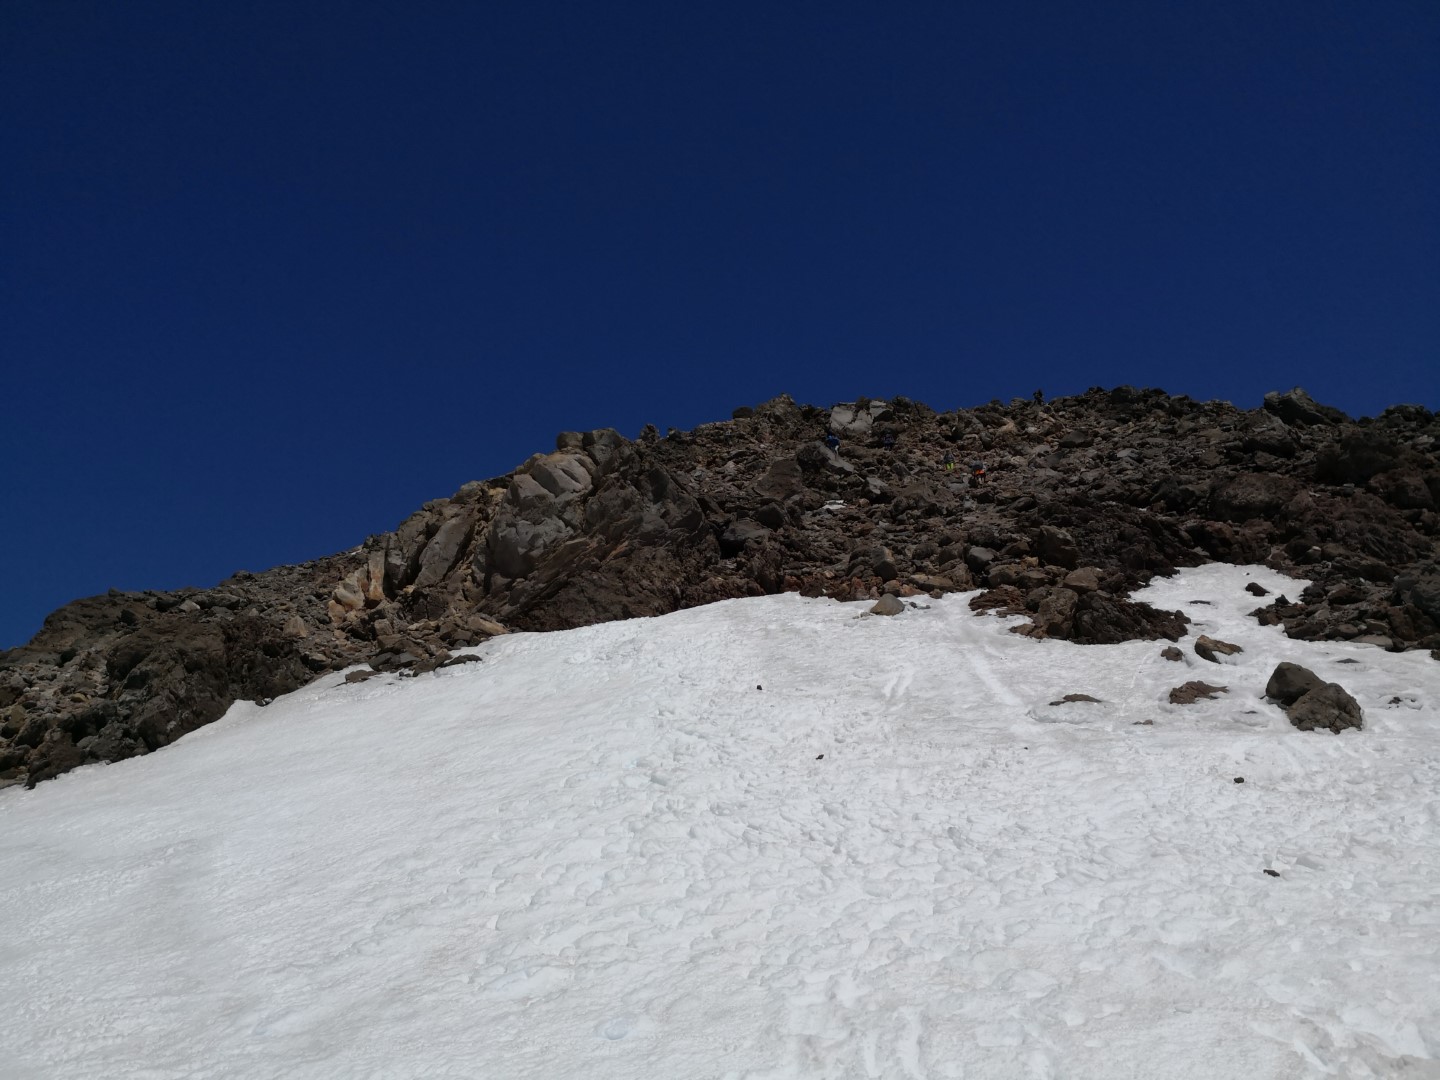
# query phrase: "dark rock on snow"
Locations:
[[1191, 692], [1289, 682], [1312, 703], [1208, 648], [1328, 706]]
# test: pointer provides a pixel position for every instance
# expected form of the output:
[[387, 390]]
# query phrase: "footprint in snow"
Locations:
[[615, 1028]]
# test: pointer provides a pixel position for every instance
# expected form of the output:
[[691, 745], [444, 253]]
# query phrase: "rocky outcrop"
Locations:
[[1085, 498]]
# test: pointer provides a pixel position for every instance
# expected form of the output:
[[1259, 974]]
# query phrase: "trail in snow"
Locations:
[[608, 853]]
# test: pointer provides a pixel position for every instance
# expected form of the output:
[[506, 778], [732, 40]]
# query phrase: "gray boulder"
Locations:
[[888, 605], [857, 421], [1251, 495], [443, 551]]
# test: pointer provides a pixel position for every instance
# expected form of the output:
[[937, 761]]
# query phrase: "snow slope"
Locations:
[[607, 853]]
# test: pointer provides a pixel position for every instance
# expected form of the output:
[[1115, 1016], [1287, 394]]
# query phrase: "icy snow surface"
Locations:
[[607, 853]]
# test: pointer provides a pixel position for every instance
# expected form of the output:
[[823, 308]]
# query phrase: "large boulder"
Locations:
[[1297, 407], [1057, 547], [819, 458], [741, 533], [1423, 591], [858, 420], [782, 480], [563, 474], [1056, 612], [1356, 456], [1267, 433], [1310, 702], [1289, 682], [1406, 488], [1251, 495], [1329, 707], [887, 605]]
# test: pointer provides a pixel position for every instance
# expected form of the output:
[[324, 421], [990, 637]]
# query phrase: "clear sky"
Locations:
[[272, 274]]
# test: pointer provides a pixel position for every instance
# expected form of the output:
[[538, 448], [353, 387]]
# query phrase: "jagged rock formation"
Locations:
[[1084, 499]]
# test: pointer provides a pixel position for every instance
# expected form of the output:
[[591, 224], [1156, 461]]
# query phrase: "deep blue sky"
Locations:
[[272, 274]]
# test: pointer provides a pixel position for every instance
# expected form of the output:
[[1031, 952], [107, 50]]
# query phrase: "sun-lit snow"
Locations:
[[609, 853]]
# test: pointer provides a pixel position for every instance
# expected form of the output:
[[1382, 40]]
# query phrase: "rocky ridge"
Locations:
[[1084, 498]]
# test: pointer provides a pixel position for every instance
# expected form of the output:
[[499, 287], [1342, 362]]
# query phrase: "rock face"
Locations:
[[1085, 498]]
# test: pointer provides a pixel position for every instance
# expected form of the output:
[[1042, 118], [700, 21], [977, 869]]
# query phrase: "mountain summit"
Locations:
[[1057, 509]]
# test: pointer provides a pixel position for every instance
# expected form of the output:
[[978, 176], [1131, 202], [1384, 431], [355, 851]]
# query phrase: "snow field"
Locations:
[[605, 853]]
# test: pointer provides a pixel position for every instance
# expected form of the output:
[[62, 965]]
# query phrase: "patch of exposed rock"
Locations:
[[1212, 649]]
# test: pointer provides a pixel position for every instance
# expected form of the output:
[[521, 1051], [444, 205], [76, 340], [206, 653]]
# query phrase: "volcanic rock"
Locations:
[[887, 605], [1328, 706], [1289, 682], [1208, 648], [1191, 692], [603, 527]]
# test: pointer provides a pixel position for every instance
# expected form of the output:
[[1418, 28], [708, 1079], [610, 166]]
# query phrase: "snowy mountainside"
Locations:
[[765, 838]]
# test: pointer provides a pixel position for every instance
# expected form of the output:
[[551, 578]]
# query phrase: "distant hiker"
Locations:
[[1039, 397], [887, 440], [977, 473], [948, 461], [833, 441]]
